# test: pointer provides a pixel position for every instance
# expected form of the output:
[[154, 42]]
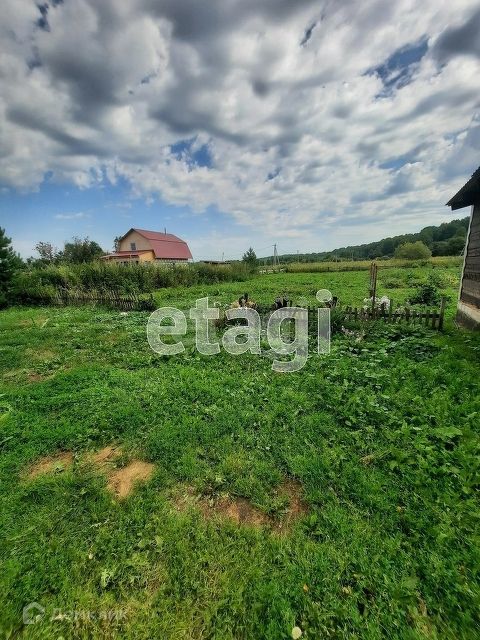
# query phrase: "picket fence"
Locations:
[[433, 318]]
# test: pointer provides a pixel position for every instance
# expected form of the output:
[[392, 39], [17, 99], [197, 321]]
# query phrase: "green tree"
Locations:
[[250, 259], [413, 251], [440, 248], [9, 263], [47, 252], [81, 250], [116, 243], [456, 245]]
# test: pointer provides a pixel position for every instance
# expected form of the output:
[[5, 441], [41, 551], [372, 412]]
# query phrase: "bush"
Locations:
[[413, 251], [427, 293], [393, 282]]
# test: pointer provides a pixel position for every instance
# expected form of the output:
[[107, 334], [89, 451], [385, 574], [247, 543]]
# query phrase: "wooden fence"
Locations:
[[108, 298], [433, 318]]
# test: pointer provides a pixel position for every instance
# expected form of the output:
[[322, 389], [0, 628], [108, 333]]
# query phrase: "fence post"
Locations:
[[373, 284], [442, 313]]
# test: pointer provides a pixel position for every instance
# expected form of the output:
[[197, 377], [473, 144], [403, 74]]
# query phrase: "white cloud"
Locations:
[[72, 216], [301, 134]]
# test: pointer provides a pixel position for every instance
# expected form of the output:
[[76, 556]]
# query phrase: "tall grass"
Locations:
[[39, 284], [364, 265]]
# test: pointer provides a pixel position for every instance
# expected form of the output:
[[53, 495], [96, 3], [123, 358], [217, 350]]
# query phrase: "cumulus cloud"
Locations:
[[280, 114]]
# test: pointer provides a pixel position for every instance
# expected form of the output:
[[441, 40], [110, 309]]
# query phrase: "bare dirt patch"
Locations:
[[51, 464], [241, 511], [107, 455], [122, 481]]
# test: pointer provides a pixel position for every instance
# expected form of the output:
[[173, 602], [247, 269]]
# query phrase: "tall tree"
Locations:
[[47, 252], [250, 259], [81, 250], [9, 262]]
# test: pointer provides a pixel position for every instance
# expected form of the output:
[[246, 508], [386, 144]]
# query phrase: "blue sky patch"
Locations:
[[199, 157], [398, 69]]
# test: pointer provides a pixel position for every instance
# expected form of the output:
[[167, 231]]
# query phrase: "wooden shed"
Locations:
[[468, 309]]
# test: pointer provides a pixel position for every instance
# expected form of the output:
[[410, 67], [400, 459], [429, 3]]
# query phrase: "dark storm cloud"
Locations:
[[29, 119], [459, 40], [193, 20]]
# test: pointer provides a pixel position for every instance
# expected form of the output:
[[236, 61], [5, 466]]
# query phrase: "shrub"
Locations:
[[413, 251], [426, 293], [393, 282]]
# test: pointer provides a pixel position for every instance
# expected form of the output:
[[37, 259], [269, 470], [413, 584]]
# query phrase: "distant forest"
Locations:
[[448, 239]]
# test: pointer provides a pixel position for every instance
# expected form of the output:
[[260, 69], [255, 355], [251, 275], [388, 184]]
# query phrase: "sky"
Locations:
[[235, 123]]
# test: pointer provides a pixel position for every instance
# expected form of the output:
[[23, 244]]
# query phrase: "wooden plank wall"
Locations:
[[470, 292]]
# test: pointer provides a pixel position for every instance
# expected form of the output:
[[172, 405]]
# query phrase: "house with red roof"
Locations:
[[139, 245]]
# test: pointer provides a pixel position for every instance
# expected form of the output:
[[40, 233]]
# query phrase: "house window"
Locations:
[[133, 246]]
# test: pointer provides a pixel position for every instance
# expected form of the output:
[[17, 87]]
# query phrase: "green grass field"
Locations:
[[342, 499], [439, 262]]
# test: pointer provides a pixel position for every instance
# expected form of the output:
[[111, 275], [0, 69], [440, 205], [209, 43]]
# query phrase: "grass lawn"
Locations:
[[342, 499]]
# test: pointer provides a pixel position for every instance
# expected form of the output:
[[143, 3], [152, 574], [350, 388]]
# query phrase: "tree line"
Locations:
[[447, 239]]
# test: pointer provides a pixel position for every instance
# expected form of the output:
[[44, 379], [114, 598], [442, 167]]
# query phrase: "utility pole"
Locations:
[[275, 256]]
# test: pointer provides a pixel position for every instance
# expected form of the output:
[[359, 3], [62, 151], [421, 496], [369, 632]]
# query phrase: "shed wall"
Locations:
[[469, 300]]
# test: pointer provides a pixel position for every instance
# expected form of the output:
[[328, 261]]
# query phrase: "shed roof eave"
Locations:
[[468, 195]]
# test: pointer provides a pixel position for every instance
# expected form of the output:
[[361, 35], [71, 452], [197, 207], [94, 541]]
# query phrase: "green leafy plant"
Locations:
[[426, 293]]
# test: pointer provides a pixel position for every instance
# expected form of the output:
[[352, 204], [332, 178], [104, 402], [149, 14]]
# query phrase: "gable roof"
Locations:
[[165, 246], [468, 194]]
